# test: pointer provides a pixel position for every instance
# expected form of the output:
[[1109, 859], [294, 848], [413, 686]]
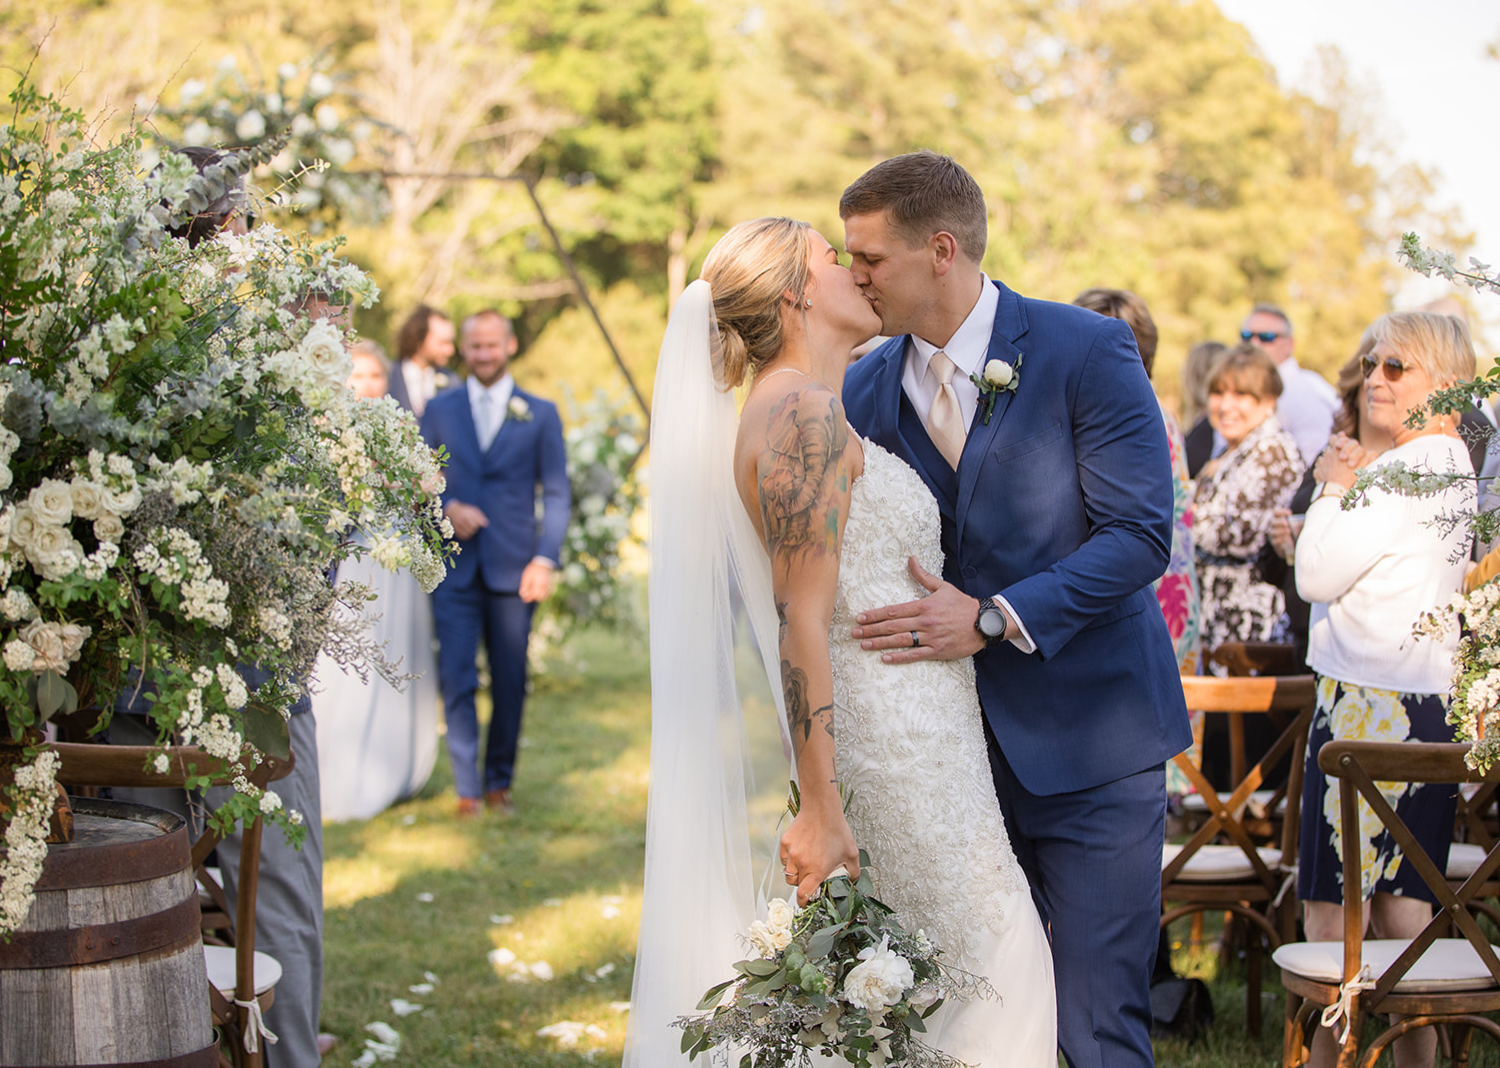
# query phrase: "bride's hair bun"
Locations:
[[751, 270]]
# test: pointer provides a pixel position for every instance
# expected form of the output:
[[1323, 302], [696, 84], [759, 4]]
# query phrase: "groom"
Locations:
[[1056, 496]]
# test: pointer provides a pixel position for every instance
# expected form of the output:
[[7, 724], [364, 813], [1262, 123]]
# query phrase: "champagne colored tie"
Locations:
[[486, 421], [945, 419]]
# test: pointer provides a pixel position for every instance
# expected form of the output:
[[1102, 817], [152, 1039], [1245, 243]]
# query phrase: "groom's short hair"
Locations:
[[923, 192]]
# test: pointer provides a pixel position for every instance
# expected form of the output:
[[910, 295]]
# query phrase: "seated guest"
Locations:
[[1236, 496], [1370, 573]]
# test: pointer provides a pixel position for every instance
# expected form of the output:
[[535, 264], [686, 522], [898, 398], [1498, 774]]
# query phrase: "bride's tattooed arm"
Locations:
[[802, 484]]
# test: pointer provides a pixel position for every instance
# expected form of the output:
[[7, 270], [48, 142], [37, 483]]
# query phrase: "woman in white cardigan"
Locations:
[[1370, 572]]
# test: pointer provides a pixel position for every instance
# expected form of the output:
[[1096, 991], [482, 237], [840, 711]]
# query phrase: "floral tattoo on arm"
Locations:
[[803, 451]]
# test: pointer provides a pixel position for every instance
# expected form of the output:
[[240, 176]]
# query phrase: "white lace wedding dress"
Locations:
[[911, 748]]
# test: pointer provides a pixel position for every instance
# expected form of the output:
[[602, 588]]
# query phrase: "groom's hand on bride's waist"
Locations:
[[938, 627]]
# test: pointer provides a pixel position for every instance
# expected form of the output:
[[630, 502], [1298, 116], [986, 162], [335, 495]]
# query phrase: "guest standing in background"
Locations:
[[377, 744], [1371, 572], [1236, 496], [1199, 441], [505, 454], [424, 345], [1307, 403], [1177, 589]]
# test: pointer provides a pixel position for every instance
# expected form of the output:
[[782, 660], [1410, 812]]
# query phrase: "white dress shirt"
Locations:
[[1306, 408], [499, 394], [968, 348], [421, 385]]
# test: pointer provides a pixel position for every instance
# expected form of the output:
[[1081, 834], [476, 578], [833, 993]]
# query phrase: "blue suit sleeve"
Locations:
[[552, 473], [1125, 476], [430, 423]]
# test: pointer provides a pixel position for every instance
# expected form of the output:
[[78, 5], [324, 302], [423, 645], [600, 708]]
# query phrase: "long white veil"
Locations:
[[700, 887]]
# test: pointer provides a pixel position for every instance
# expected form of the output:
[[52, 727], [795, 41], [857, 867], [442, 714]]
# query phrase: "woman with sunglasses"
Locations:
[[1236, 496], [1370, 572]]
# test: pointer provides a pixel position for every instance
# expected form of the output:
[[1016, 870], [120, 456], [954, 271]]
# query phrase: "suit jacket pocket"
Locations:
[[1027, 445]]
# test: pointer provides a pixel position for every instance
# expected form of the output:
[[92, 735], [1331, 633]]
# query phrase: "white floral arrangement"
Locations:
[[181, 466], [840, 978], [1474, 708], [603, 443]]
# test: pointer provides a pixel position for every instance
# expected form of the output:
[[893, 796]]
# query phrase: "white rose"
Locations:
[[23, 528], [88, 502], [877, 982], [519, 407], [73, 636], [52, 502], [323, 349], [122, 502], [760, 938], [47, 542], [779, 913], [251, 124], [46, 644], [109, 528], [998, 373]]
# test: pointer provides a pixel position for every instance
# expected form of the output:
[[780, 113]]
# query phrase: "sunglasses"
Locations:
[[1265, 337], [1393, 367]]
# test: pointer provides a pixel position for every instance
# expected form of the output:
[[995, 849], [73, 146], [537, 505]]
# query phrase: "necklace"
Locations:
[[773, 374]]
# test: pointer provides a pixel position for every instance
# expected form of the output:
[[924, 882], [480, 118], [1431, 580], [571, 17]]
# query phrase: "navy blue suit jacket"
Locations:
[[1062, 504], [395, 384], [503, 481]]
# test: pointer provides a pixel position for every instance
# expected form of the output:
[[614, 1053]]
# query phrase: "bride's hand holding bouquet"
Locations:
[[818, 842]]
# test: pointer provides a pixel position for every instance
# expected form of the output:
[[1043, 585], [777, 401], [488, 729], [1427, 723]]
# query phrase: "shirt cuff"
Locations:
[[1021, 641], [544, 560]]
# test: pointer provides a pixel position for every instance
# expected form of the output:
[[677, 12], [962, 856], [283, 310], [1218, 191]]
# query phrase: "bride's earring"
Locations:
[[806, 303]]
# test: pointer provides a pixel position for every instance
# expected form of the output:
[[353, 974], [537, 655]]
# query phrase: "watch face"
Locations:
[[992, 622]]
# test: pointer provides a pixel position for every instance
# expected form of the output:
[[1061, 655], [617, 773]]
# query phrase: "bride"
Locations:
[[813, 525]]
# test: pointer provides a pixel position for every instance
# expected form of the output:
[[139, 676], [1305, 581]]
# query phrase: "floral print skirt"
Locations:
[[1359, 713]]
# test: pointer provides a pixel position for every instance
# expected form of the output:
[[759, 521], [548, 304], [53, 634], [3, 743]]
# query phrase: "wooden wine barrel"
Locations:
[[108, 967]]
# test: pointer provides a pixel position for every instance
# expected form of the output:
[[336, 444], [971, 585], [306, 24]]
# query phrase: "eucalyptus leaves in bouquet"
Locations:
[[181, 465], [840, 978]]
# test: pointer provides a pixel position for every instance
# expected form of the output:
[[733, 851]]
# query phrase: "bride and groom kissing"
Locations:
[[951, 584]]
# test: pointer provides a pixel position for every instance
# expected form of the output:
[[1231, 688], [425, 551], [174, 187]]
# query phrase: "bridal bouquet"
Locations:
[[180, 467], [840, 977]]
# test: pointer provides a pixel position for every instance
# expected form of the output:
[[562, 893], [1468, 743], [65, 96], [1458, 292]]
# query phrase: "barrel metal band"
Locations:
[[69, 867], [173, 928], [207, 1057]]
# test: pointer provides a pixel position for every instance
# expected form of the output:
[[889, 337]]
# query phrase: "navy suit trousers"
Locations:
[[464, 616], [1093, 859]]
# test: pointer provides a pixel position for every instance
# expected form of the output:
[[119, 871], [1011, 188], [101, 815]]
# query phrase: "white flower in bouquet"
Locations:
[[780, 914], [109, 528], [879, 980], [88, 498], [52, 502], [17, 605]]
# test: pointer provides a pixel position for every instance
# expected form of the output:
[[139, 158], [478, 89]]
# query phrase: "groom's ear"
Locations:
[[944, 250]]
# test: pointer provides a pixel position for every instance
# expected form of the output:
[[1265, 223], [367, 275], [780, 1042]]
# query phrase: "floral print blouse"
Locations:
[[1231, 514]]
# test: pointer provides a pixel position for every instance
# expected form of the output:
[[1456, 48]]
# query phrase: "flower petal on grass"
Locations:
[[501, 921], [542, 970], [620, 1006], [402, 1007], [501, 957], [553, 902], [424, 897], [384, 1033], [420, 988]]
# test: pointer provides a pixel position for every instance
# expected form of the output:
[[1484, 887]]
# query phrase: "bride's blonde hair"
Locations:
[[750, 269]]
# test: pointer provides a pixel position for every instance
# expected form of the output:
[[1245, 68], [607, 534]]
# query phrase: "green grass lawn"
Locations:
[[560, 883]]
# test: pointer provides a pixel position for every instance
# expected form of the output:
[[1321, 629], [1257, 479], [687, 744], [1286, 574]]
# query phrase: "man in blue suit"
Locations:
[[424, 345], [1056, 496], [505, 450]]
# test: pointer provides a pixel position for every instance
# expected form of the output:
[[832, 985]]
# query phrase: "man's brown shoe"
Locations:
[[499, 800], [468, 808]]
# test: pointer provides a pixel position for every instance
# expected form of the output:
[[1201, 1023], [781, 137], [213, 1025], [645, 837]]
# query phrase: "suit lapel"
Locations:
[[908, 439], [1010, 324]]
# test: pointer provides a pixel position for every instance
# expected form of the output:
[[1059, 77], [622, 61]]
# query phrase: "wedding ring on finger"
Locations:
[[914, 641]]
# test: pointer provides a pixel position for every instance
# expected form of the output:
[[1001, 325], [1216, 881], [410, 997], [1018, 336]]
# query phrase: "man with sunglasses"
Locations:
[[1308, 402]]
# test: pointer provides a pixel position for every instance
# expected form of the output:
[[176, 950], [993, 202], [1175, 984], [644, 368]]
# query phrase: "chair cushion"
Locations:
[[1464, 859], [1218, 863], [220, 961], [1259, 799], [1449, 964]]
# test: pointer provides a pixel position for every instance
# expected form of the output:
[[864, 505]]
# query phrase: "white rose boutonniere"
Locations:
[[997, 377], [519, 410]]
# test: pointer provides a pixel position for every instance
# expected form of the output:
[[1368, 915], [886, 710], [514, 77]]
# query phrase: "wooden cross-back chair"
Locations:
[[1429, 980], [1221, 867], [242, 981]]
